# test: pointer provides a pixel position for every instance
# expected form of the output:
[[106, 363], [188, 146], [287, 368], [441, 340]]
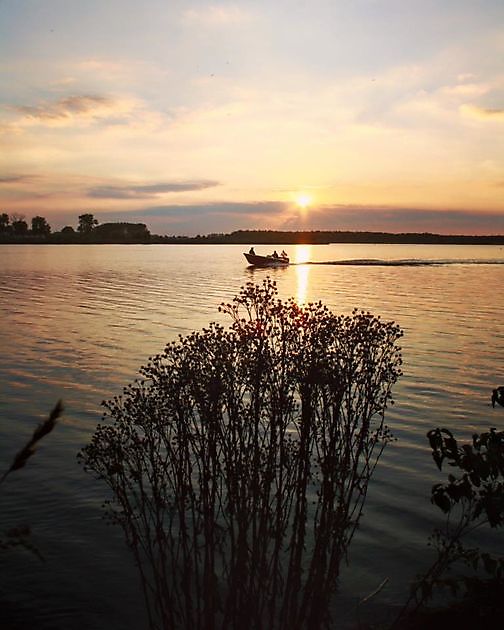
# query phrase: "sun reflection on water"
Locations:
[[302, 255]]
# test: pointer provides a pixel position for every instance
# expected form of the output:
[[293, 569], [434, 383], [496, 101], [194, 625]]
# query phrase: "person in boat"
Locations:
[[284, 254], [251, 251], [275, 255], [498, 396]]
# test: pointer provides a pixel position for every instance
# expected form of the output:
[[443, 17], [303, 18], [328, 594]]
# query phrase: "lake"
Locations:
[[78, 322]]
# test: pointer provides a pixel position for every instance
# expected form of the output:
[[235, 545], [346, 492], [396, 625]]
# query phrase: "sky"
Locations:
[[196, 117]]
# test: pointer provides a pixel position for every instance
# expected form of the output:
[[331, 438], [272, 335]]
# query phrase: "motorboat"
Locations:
[[266, 261]]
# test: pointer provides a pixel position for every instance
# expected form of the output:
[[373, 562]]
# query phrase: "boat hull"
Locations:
[[266, 261]]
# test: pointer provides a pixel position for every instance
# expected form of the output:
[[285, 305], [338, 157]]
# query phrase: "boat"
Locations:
[[266, 261]]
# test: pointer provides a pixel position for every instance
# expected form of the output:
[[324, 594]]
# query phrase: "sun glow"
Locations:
[[303, 200]]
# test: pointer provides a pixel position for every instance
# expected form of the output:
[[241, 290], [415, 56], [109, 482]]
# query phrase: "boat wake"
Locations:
[[374, 262]]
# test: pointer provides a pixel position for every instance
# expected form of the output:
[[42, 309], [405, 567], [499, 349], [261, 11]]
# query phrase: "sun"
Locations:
[[303, 200]]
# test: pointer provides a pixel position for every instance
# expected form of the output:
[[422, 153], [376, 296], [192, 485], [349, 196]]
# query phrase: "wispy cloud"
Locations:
[[15, 179], [101, 65], [226, 217], [217, 15], [395, 219], [65, 107], [482, 113], [205, 217], [148, 191], [65, 111], [268, 208], [466, 89]]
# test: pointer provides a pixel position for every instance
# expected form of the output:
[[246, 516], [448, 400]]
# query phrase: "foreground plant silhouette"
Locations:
[[18, 536], [473, 497], [239, 466]]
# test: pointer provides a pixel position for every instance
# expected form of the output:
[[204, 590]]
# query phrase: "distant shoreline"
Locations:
[[260, 237]]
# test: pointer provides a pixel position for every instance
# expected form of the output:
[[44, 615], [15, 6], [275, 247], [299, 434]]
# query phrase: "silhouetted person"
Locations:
[[498, 396], [251, 251], [284, 254], [275, 255]]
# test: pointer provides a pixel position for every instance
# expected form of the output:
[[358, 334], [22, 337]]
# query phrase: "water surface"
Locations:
[[77, 323]]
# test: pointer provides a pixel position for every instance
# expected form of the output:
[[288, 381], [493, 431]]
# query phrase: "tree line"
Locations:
[[15, 229], [17, 226]]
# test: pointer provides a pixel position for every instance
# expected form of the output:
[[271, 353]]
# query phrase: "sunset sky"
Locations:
[[197, 117]]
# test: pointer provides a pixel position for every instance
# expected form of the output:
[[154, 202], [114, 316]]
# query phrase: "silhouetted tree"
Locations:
[[121, 233], [19, 225], [86, 223], [68, 229], [4, 222], [39, 225]]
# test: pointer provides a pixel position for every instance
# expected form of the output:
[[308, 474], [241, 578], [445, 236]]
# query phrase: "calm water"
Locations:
[[78, 321]]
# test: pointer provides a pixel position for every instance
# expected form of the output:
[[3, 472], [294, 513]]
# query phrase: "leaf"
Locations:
[[442, 501], [438, 458], [434, 437]]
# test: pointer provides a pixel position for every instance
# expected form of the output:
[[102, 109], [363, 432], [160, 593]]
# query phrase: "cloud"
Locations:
[[219, 208], [468, 76], [204, 218], [15, 179], [69, 109], [227, 217], [466, 89], [149, 190], [216, 15], [101, 65], [410, 219], [63, 83], [482, 113], [65, 107]]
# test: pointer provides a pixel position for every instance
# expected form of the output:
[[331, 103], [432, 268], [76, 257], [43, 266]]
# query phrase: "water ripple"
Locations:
[[79, 321]]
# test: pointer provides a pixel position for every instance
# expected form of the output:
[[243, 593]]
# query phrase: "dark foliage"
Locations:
[[39, 225], [87, 223], [321, 237], [470, 499], [120, 233], [239, 466]]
